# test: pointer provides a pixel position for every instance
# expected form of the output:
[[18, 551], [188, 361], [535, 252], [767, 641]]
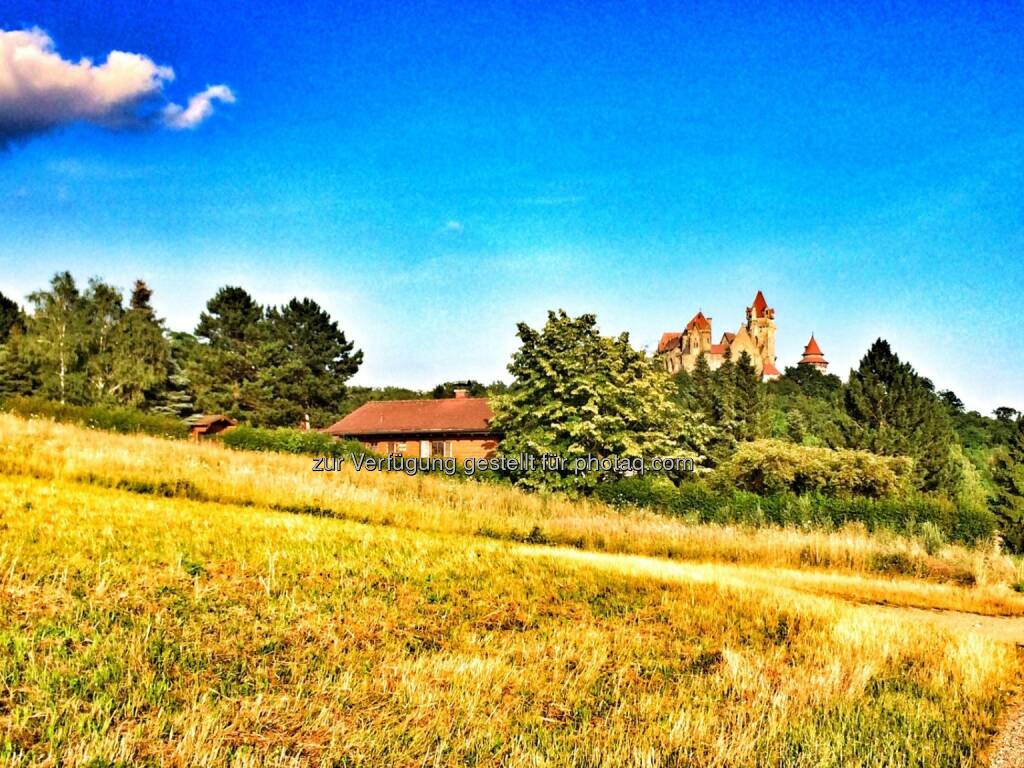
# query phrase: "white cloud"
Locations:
[[40, 90], [453, 226], [199, 107]]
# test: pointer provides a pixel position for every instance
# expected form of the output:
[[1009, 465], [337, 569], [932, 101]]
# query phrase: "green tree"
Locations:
[[1005, 413], [175, 397], [57, 340], [102, 308], [18, 373], [11, 317], [811, 381], [1008, 477], [309, 362], [447, 389], [896, 412], [747, 396], [702, 385], [577, 394], [226, 373], [141, 355]]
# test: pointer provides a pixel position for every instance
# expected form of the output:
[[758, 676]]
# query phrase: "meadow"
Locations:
[[163, 603]]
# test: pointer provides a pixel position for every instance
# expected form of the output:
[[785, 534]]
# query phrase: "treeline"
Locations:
[[577, 393], [273, 366]]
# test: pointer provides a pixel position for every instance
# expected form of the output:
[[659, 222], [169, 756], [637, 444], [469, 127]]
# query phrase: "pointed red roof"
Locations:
[[760, 305], [769, 369], [698, 322], [812, 347]]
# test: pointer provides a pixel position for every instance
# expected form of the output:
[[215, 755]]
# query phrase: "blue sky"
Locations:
[[434, 173]]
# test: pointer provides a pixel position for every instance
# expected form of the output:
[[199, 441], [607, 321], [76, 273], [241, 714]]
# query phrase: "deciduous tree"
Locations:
[[578, 394]]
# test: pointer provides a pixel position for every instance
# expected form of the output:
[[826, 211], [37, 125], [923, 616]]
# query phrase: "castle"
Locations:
[[679, 350]]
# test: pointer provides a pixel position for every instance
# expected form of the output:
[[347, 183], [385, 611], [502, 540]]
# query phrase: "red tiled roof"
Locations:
[[769, 369], [669, 340], [728, 337], [717, 349], [760, 305], [699, 321], [812, 347], [389, 417]]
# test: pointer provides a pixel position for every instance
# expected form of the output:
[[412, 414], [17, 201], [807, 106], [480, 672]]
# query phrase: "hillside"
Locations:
[[168, 603]]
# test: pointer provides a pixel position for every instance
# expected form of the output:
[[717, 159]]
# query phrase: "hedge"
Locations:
[[111, 419], [282, 440], [773, 466], [705, 504]]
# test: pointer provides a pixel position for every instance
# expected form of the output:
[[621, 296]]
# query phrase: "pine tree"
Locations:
[[226, 372], [894, 411], [746, 386], [175, 397], [703, 385], [309, 360], [18, 374], [141, 352], [11, 317]]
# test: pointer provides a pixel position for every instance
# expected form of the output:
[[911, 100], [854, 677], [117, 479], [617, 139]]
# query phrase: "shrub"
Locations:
[[109, 418], [911, 515], [774, 466], [932, 537], [246, 438]]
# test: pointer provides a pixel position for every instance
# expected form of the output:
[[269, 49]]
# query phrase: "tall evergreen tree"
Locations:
[[141, 352], [18, 372], [747, 389], [896, 412], [11, 317], [226, 374], [175, 397], [309, 362], [703, 385]]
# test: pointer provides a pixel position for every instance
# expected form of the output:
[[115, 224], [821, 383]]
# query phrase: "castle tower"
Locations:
[[813, 356], [698, 334], [761, 326]]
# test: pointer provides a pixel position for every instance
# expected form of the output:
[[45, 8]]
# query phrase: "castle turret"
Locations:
[[813, 355], [761, 326]]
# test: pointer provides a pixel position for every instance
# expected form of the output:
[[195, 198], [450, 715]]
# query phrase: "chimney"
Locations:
[[461, 393]]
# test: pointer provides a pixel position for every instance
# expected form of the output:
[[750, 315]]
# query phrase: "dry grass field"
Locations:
[[163, 603]]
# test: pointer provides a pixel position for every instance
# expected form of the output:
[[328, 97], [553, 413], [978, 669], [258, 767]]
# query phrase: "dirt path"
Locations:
[[1003, 629], [1006, 749], [1006, 629]]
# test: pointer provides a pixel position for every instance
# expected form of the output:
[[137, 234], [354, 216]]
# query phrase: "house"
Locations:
[[212, 424], [459, 427]]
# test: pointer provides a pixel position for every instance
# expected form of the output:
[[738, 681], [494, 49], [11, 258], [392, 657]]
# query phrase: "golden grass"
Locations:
[[139, 630], [42, 448]]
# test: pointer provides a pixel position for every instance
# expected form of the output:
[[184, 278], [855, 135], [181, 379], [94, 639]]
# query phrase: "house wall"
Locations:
[[459, 446]]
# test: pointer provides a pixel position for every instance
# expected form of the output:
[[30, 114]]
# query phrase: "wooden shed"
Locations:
[[209, 425]]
